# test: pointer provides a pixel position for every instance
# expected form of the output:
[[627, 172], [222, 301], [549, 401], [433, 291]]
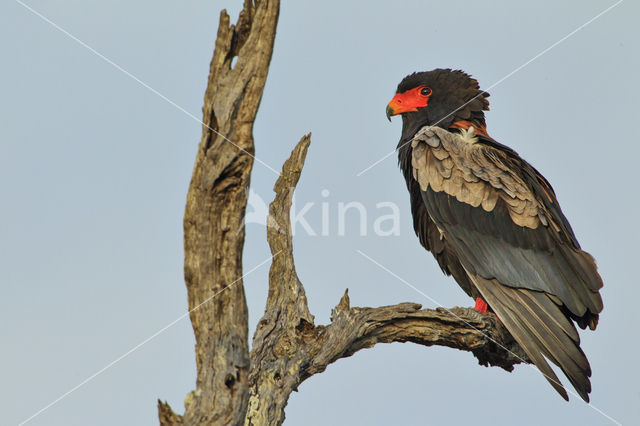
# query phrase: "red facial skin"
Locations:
[[409, 101], [413, 99]]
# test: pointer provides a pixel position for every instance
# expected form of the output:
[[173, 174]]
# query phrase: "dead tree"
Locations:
[[234, 386]]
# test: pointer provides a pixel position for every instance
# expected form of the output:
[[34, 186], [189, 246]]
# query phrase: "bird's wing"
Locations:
[[431, 239], [504, 224]]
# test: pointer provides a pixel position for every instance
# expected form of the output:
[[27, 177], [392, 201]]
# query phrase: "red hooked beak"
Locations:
[[394, 107]]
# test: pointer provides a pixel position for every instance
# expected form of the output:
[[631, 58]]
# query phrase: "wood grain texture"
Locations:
[[214, 217]]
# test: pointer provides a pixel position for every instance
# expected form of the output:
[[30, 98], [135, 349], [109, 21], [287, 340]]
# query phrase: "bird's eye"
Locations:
[[425, 91]]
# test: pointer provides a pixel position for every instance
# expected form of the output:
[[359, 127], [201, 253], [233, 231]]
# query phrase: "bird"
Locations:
[[493, 222]]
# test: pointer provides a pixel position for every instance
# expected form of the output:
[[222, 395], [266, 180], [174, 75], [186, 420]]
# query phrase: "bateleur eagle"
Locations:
[[493, 222]]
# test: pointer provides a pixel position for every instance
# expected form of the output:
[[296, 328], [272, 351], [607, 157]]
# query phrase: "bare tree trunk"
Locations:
[[232, 386], [214, 217]]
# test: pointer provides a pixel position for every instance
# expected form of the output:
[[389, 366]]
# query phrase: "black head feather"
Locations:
[[455, 96]]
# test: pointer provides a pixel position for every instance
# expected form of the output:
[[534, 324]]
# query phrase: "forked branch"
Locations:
[[289, 348]]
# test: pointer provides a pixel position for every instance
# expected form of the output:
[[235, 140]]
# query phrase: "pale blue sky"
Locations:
[[94, 170]]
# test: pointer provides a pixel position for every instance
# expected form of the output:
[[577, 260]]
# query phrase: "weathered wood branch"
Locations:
[[288, 348], [353, 329], [214, 217], [281, 331]]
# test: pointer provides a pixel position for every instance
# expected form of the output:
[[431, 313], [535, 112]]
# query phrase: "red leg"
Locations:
[[481, 306]]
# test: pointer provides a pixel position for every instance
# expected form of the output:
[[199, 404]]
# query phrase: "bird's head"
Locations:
[[437, 98]]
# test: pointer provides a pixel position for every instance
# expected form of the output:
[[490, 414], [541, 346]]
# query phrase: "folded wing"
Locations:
[[498, 220]]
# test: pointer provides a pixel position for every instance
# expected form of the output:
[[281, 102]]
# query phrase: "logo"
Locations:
[[331, 218]]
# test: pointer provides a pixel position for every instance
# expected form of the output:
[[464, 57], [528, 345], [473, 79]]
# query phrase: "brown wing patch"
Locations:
[[472, 173]]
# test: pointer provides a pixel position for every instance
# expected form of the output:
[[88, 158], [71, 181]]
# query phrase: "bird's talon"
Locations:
[[481, 306]]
